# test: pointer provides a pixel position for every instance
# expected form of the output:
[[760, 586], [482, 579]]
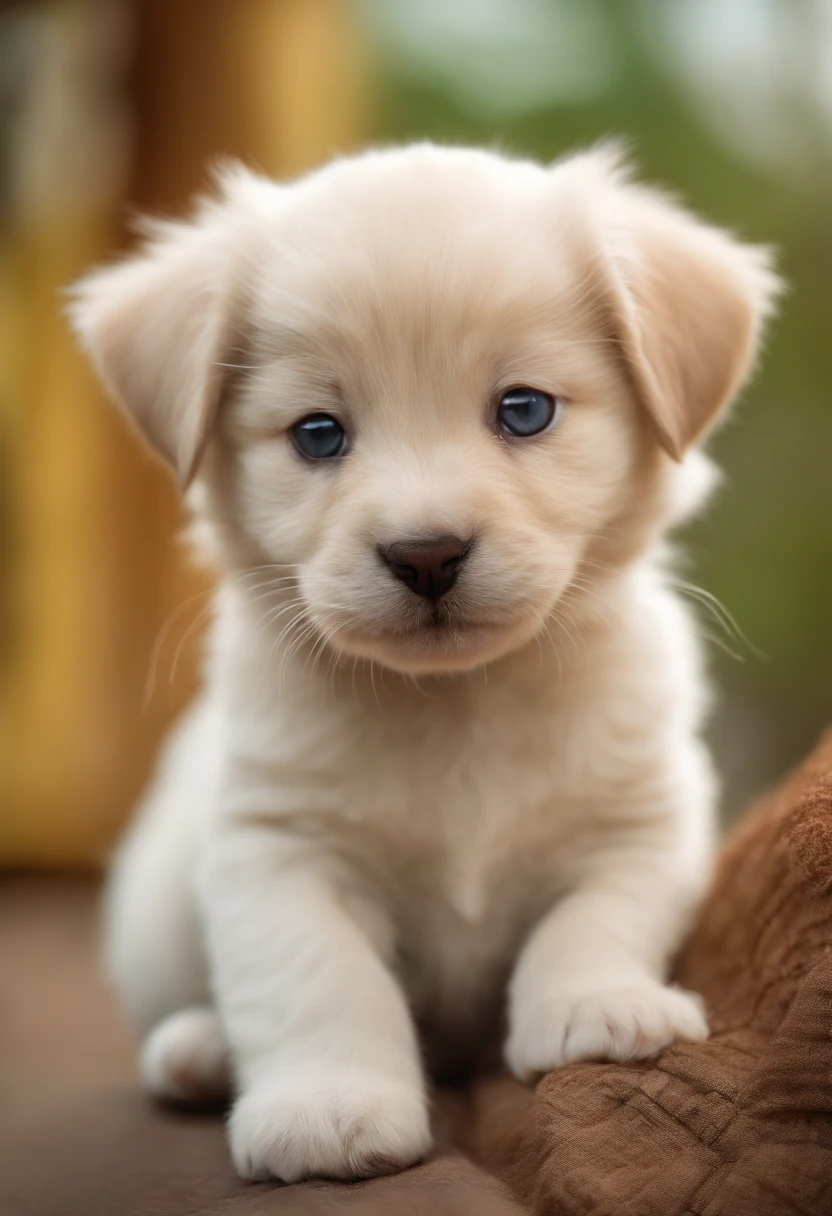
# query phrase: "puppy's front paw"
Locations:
[[345, 1125], [619, 1024]]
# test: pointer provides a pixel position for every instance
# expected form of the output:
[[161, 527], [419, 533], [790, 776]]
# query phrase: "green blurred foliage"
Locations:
[[764, 547]]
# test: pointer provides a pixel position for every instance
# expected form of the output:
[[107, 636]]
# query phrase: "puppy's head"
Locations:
[[434, 391]]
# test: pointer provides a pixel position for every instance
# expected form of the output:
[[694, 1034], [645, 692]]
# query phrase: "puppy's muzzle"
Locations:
[[427, 566]]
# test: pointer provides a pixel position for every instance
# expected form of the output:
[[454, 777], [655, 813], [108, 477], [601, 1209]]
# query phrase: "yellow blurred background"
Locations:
[[111, 106]]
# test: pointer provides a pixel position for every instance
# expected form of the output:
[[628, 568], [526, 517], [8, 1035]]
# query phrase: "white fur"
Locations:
[[376, 817]]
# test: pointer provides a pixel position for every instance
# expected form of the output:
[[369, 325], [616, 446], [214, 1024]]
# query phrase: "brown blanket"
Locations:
[[738, 1126]]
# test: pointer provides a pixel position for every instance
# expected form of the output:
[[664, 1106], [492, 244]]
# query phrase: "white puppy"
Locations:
[[440, 407]]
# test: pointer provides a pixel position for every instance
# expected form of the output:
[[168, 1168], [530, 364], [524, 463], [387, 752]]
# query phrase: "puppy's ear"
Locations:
[[686, 303], [158, 325]]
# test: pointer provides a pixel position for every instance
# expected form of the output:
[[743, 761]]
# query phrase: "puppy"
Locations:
[[437, 409]]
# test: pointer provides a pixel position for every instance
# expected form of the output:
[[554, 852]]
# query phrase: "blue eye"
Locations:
[[320, 436], [527, 411]]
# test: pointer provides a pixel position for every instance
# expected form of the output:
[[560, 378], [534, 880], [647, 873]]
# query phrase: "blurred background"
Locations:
[[112, 106]]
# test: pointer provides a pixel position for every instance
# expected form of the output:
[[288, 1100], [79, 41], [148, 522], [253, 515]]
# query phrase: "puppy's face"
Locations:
[[451, 379], [430, 431]]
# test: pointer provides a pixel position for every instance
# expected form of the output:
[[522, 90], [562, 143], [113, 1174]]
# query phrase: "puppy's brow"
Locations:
[[280, 342]]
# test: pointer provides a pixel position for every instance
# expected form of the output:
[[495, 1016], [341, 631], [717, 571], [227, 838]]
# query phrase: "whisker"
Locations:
[[373, 681], [251, 570], [719, 613], [554, 648], [285, 580], [287, 629], [253, 599], [556, 618], [194, 623], [161, 638], [722, 645], [274, 614]]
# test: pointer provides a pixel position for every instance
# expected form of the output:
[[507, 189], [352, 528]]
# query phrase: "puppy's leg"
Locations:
[[155, 957], [322, 1044], [589, 982], [152, 939], [152, 946], [184, 1058]]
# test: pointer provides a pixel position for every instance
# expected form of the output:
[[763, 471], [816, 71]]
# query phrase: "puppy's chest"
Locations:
[[463, 828], [470, 812], [467, 862], [460, 820]]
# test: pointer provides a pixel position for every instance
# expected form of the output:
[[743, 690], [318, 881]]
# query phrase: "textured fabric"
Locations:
[[738, 1126]]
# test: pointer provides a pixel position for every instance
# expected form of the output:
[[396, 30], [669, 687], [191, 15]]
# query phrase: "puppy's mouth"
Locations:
[[441, 637], [436, 621]]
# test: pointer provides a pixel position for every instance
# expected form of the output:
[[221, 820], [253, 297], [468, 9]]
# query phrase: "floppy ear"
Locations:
[[158, 324], [686, 305]]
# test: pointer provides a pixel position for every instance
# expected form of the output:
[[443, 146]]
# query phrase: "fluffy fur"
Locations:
[[383, 816]]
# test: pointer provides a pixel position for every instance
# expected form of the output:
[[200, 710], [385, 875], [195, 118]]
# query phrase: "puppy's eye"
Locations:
[[527, 411], [320, 436]]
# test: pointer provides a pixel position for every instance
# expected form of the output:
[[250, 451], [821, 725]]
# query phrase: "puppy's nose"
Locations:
[[427, 565]]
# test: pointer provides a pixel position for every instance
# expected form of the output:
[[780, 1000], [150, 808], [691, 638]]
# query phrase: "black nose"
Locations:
[[427, 565]]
